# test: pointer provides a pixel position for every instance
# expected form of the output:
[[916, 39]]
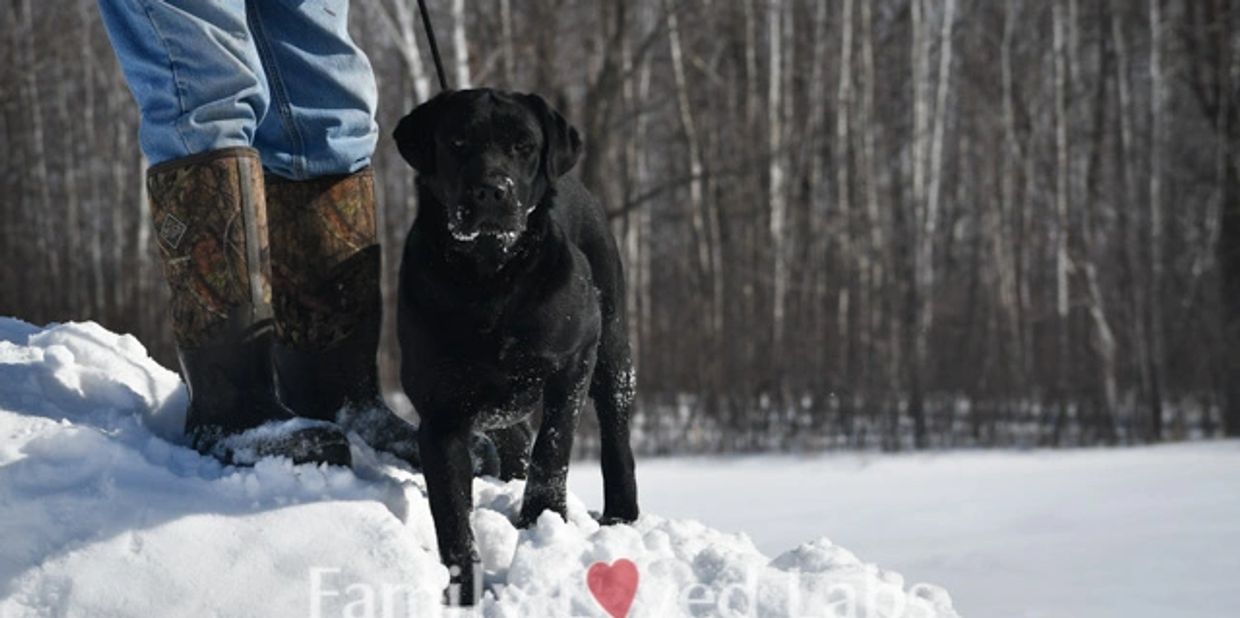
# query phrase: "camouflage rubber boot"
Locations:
[[328, 306], [211, 224]]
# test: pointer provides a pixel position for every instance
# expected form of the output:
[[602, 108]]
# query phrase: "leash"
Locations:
[[430, 36]]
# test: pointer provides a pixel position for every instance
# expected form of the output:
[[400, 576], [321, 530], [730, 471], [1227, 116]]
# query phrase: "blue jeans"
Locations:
[[282, 76]]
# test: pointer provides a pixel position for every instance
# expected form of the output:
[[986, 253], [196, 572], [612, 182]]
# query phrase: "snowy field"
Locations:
[[103, 513], [1069, 534]]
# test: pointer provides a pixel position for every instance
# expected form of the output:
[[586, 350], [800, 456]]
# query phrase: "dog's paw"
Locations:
[[523, 522], [613, 520], [464, 585], [617, 516], [529, 517]]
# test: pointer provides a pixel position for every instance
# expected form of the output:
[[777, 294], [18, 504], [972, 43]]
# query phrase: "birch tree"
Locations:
[[1154, 329], [461, 45], [1063, 180], [843, 176], [697, 204], [776, 170]]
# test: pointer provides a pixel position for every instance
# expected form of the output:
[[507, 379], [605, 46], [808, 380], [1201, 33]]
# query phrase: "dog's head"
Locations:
[[489, 157]]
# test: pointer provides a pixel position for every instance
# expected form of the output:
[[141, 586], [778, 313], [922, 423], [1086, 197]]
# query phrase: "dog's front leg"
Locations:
[[563, 396], [449, 486]]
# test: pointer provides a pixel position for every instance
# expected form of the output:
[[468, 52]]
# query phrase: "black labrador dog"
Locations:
[[511, 303]]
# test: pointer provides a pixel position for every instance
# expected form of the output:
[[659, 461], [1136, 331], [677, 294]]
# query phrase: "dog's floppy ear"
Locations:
[[415, 134], [562, 143]]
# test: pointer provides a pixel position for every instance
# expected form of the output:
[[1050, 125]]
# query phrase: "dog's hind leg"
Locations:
[[563, 397], [613, 388], [513, 446]]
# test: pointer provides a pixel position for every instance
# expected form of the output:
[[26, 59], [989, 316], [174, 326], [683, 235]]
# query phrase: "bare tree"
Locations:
[[1063, 187], [461, 45], [776, 32], [1154, 328]]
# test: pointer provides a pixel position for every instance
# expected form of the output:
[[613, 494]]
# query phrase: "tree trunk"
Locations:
[[75, 285], [1154, 294], [510, 51], [930, 162], [1229, 263], [705, 226], [461, 45], [1216, 81], [843, 179], [883, 355], [913, 322], [402, 30], [777, 194], [1006, 259], [47, 228], [1093, 248], [1131, 235], [1063, 184], [751, 62]]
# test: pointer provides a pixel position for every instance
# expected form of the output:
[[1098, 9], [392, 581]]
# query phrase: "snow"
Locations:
[[1135, 532], [105, 512]]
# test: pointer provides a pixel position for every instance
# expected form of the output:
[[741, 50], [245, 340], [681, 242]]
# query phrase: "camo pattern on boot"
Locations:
[[326, 259], [207, 262]]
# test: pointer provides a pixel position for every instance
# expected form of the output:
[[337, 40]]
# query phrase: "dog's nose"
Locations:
[[495, 191]]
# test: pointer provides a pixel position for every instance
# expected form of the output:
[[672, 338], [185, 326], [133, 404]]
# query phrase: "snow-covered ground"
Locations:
[[1127, 533], [104, 513]]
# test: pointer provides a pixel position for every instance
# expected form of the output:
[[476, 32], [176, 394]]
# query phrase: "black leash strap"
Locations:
[[430, 36]]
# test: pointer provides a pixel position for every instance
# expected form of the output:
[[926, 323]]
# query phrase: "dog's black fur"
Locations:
[[511, 302]]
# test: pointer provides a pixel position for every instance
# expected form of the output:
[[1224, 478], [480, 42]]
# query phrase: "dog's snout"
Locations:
[[490, 207], [495, 190]]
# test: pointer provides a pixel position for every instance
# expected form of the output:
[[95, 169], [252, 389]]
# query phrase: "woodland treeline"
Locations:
[[888, 223]]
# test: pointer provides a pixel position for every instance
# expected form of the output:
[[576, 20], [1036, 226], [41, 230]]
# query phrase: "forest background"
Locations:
[[876, 224]]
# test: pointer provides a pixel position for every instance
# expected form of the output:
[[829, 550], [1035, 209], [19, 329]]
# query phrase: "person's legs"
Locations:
[[194, 71], [323, 92]]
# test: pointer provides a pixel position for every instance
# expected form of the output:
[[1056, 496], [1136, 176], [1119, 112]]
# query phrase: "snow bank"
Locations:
[[104, 511], [1136, 532]]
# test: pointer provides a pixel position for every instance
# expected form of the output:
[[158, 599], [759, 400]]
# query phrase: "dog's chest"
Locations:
[[488, 348], [525, 343], [531, 325]]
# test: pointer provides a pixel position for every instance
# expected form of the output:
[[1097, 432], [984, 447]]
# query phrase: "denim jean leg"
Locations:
[[322, 119], [193, 70]]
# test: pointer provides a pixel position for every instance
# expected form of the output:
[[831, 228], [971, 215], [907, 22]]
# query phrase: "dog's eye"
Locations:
[[458, 143], [523, 148]]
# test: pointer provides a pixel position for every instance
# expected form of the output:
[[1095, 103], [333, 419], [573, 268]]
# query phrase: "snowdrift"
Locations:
[[105, 512]]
